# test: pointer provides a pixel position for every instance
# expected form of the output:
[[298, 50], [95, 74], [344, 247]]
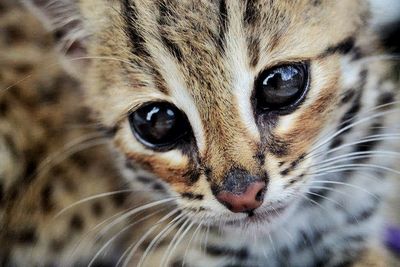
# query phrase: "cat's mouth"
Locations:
[[262, 216]]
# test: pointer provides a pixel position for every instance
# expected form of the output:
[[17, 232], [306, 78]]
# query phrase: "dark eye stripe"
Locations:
[[223, 25], [137, 42], [167, 14]]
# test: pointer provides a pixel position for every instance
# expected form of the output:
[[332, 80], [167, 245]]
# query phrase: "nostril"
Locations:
[[260, 195]]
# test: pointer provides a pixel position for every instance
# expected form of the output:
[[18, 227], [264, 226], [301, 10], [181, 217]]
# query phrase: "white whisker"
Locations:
[[178, 241], [346, 184], [130, 251], [87, 199], [171, 244], [194, 235], [118, 234], [160, 236], [136, 210]]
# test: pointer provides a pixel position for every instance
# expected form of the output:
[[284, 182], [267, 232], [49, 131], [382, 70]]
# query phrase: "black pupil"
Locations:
[[280, 87], [159, 124]]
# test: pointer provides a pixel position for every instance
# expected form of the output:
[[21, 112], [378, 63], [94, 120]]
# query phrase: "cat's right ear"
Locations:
[[64, 19]]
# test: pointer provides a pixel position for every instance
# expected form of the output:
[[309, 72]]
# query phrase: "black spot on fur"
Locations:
[[158, 187], [251, 13], [293, 165], [49, 93], [30, 170], [357, 53], [192, 175], [57, 171], [318, 195], [68, 184], [336, 142], [46, 203], [278, 147], [347, 96], [97, 209], [119, 199], [260, 157], [144, 179], [309, 239], [349, 116], [217, 251], [316, 2], [80, 160], [76, 223], [4, 107], [27, 236], [207, 171], [304, 241], [9, 141], [109, 132], [386, 98], [129, 164], [365, 146], [343, 47], [284, 252], [364, 214], [192, 196], [2, 10], [13, 34], [23, 69], [179, 263], [352, 112], [2, 192]]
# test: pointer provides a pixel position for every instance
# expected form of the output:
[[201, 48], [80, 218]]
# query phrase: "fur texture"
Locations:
[[326, 164]]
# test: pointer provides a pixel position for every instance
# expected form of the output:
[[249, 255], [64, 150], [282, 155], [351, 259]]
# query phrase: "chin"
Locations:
[[261, 221]]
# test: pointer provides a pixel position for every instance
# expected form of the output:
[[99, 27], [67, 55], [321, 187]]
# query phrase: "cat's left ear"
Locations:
[[64, 19]]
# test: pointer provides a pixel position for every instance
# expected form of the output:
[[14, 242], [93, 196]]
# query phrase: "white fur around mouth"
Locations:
[[257, 217]]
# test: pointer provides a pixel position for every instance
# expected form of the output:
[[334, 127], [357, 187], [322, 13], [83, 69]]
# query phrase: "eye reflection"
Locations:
[[159, 125]]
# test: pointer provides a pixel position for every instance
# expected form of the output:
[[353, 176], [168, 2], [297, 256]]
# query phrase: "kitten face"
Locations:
[[205, 64]]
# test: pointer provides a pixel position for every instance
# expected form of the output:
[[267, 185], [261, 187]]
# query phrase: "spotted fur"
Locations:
[[327, 164]]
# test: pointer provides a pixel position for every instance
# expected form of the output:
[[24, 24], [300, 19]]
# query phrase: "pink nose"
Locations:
[[251, 199]]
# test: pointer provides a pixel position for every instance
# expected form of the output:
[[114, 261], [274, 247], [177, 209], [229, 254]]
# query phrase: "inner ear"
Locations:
[[64, 19]]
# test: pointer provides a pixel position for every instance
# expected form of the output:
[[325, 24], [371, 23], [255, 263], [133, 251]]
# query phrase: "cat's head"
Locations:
[[225, 101]]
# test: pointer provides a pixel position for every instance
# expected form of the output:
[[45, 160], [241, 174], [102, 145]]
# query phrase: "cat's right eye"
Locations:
[[159, 125], [282, 88]]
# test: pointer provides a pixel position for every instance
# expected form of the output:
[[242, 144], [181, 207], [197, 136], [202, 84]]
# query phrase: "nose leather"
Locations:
[[249, 200]]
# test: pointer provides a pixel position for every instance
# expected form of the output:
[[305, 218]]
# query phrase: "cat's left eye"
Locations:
[[281, 88], [159, 125]]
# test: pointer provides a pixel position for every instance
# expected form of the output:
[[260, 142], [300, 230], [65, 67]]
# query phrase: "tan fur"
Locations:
[[207, 76], [204, 85]]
